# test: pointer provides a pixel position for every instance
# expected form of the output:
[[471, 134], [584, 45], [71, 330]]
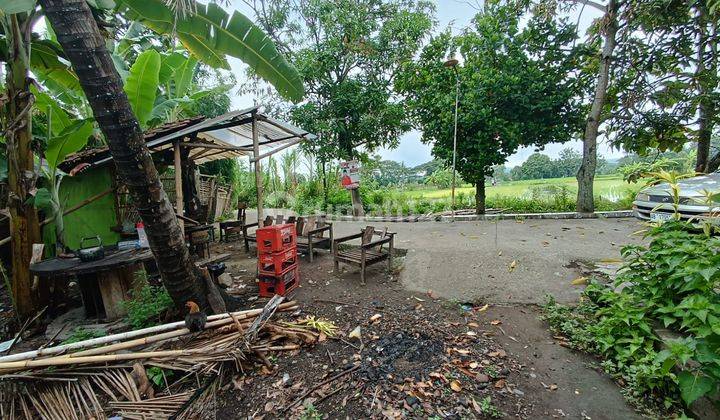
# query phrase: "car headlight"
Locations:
[[642, 197]]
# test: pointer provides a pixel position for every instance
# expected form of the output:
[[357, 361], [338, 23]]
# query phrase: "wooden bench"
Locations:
[[310, 232], [368, 253]]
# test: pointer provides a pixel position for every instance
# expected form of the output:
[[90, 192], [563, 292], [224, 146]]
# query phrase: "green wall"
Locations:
[[92, 219]]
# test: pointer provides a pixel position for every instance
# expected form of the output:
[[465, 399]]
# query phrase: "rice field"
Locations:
[[610, 187]]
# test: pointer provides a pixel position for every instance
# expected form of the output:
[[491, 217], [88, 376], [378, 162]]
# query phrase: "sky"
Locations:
[[456, 14]]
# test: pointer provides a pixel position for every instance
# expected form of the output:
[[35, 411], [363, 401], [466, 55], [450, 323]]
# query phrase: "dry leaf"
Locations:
[[477, 407], [495, 322], [512, 266], [500, 384], [375, 317], [471, 333], [455, 385], [355, 333], [579, 281], [473, 324], [484, 308]]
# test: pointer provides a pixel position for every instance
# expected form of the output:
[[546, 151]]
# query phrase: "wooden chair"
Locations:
[[252, 237], [232, 229], [311, 234], [370, 251]]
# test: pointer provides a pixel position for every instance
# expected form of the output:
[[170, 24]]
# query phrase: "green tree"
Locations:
[[501, 108], [348, 53], [568, 162], [538, 166], [666, 86]]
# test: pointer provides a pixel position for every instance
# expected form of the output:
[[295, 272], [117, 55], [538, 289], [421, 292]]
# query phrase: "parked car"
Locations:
[[655, 203]]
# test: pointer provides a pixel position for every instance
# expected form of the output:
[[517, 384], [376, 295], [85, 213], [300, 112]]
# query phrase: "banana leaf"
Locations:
[[211, 34], [142, 84]]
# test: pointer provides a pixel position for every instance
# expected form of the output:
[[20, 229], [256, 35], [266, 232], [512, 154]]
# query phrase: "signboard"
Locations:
[[350, 174]]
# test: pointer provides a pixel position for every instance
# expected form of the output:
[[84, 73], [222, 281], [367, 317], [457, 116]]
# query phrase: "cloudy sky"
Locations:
[[455, 14]]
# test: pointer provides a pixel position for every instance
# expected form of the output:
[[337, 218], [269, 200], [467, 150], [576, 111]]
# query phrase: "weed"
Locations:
[[81, 334], [158, 375], [487, 408], [147, 304], [310, 413]]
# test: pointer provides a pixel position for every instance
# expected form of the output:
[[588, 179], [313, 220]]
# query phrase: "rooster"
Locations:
[[195, 319]]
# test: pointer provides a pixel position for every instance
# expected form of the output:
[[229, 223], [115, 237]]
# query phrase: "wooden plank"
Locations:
[[212, 260], [113, 289]]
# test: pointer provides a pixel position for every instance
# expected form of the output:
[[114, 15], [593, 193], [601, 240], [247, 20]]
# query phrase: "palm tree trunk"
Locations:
[[586, 174], [79, 36], [24, 227]]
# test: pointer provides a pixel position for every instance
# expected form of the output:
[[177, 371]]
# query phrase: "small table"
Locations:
[[104, 283]]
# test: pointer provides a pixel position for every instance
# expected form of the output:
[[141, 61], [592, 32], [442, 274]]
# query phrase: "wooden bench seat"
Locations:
[[369, 252]]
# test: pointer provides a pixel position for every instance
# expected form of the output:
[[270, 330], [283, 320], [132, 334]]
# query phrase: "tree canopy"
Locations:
[[518, 87]]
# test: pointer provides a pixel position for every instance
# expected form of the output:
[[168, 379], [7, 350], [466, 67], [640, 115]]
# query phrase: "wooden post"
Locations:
[[258, 170], [179, 204]]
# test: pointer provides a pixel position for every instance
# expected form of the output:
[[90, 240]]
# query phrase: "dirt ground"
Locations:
[[425, 356]]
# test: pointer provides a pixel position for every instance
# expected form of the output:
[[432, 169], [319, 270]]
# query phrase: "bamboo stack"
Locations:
[[93, 377]]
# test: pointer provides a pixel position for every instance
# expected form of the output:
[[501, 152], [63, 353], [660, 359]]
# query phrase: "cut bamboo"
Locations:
[[49, 351], [102, 358]]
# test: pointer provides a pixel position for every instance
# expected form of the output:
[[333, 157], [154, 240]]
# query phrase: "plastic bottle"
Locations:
[[142, 236]]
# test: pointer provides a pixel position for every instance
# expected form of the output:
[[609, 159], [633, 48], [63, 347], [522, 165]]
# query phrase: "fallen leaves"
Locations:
[[455, 385], [579, 281], [495, 322]]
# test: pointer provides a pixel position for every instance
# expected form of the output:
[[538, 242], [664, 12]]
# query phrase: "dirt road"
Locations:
[[504, 262]]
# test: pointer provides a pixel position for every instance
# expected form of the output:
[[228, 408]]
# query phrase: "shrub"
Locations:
[[147, 305], [671, 283]]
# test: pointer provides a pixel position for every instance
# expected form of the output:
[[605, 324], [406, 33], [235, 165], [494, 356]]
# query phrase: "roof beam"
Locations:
[[273, 151]]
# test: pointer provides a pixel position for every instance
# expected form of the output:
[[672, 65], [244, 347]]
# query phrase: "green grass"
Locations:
[[607, 186]]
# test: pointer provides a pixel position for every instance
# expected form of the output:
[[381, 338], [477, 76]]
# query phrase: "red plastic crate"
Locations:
[[270, 285], [277, 262], [276, 238]]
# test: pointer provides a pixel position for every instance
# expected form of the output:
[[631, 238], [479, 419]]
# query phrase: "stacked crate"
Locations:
[[277, 260]]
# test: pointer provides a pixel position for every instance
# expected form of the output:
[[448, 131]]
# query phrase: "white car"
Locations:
[[655, 203]]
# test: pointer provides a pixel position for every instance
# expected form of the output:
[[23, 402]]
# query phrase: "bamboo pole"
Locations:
[[179, 204], [49, 351], [62, 361], [258, 170]]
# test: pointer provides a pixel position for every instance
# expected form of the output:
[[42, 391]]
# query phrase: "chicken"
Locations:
[[195, 320]]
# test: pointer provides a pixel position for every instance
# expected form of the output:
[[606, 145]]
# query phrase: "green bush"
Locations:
[[672, 283], [147, 306]]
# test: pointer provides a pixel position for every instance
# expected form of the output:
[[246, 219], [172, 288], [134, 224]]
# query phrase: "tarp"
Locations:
[[94, 219]]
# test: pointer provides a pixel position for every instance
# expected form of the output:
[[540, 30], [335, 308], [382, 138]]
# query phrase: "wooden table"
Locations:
[[104, 283]]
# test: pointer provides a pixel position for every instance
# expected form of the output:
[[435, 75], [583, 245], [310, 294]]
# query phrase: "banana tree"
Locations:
[[65, 135]]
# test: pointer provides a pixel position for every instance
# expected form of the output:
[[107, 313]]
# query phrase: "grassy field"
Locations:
[[610, 187]]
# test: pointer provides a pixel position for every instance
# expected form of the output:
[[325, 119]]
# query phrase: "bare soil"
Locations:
[[424, 357]]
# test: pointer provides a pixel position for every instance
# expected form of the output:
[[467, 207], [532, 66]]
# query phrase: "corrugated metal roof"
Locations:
[[222, 137]]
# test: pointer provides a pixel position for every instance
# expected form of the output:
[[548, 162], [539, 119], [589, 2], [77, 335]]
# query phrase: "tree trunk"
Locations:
[[24, 226], [586, 174], [79, 36], [480, 197]]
